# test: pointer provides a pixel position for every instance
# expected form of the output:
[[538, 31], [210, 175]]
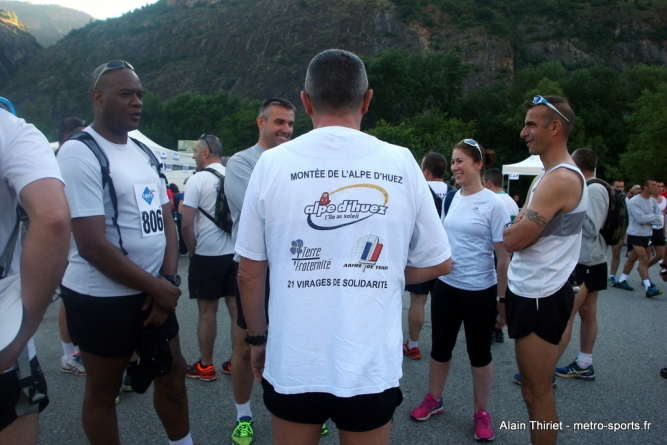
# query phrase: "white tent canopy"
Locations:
[[531, 167]]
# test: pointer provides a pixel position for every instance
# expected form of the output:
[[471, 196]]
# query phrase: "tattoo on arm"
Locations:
[[536, 218]]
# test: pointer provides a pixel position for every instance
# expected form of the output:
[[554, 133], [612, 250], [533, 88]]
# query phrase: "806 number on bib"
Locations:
[[151, 222]]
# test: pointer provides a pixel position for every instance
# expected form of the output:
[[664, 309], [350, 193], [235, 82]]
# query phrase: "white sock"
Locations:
[[187, 440], [243, 410], [68, 350], [584, 360], [612, 277], [647, 284], [412, 344], [624, 277]]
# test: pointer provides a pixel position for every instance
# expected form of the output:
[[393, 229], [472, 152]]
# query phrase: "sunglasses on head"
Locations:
[[203, 136], [539, 100], [474, 143], [113, 65]]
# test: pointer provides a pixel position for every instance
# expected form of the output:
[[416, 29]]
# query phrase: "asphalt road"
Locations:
[[628, 394]]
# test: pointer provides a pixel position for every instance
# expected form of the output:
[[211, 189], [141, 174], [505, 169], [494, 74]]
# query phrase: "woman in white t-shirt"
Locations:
[[475, 222]]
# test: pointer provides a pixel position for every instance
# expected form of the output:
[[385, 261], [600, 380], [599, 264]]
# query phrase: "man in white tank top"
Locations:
[[546, 239]]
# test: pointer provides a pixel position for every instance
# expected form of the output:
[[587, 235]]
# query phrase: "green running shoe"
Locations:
[[243, 433]]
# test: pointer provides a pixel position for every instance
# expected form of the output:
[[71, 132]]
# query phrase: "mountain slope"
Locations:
[[17, 46]]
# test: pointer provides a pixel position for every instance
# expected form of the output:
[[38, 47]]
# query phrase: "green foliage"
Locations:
[[646, 147], [406, 85], [429, 131]]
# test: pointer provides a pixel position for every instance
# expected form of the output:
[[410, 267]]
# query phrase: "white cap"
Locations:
[[11, 309]]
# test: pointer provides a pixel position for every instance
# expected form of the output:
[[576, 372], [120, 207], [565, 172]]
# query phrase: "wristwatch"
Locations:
[[173, 279], [256, 340]]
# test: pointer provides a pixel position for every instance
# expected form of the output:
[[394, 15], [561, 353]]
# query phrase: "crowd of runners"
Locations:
[[344, 222]]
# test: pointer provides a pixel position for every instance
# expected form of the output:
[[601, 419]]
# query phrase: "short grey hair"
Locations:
[[214, 145], [278, 101], [336, 81]]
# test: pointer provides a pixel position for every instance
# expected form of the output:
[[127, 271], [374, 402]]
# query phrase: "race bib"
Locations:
[[150, 210]]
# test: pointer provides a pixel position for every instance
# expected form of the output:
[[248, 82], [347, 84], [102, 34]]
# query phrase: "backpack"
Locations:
[[92, 144], [223, 215], [448, 199], [615, 225], [437, 201]]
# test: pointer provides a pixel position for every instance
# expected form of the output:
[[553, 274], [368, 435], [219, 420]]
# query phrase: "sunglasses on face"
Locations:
[[203, 136], [113, 65], [474, 143], [539, 100]]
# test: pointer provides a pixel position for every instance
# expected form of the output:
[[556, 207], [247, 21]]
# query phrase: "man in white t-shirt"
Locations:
[[344, 221], [29, 177], [658, 237], [211, 275], [546, 239], [434, 166], [275, 123], [493, 180], [121, 277]]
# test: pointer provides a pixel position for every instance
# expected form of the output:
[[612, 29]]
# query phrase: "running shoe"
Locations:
[[127, 383], [652, 292], [517, 379], [663, 373], [325, 430], [573, 371], [624, 285], [243, 433], [226, 367], [73, 365], [483, 428], [197, 371], [612, 281], [498, 335], [413, 353], [117, 401], [427, 408]]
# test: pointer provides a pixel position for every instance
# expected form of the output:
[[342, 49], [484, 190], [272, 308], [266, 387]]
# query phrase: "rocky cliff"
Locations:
[[17, 46]]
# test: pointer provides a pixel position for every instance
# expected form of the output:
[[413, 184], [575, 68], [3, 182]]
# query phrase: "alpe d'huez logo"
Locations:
[[148, 195], [347, 205], [307, 258]]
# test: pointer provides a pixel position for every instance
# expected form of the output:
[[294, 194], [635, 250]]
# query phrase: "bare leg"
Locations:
[[630, 262], [242, 378], [481, 384], [378, 436], [537, 360], [416, 315], [103, 379], [207, 329], [642, 268], [289, 433], [659, 254], [22, 431], [437, 377], [615, 257], [231, 308], [579, 299], [170, 398], [589, 322]]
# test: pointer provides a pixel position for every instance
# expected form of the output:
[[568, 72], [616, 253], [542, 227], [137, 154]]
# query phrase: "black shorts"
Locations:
[[355, 414], [240, 319], [547, 316], [10, 392], [109, 326], [421, 288], [211, 277], [658, 238], [594, 277], [477, 311], [638, 241]]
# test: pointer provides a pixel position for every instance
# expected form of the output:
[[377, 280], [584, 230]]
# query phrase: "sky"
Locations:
[[100, 9]]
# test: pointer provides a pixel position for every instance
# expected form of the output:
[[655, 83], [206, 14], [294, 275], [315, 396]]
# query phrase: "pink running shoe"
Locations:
[[427, 408], [483, 428]]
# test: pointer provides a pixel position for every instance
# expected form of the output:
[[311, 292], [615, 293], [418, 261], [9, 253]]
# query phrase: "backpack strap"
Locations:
[[8, 253], [437, 200], [157, 165], [222, 179], [91, 143], [448, 200], [28, 402]]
